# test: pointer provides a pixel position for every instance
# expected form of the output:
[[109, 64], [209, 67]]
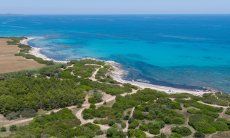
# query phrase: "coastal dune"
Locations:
[[11, 63]]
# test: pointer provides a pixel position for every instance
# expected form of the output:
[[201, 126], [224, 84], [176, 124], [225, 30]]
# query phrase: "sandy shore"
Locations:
[[34, 51], [11, 63], [37, 51], [117, 74]]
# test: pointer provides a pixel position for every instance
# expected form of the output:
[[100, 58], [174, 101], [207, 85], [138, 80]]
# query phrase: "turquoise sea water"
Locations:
[[188, 51]]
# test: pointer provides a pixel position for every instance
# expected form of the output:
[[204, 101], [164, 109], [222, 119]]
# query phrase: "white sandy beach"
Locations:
[[118, 73]]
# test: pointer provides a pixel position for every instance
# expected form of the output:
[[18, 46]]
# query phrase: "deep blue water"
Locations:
[[190, 51]]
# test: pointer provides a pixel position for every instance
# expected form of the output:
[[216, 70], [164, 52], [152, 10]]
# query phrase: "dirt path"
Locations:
[[133, 92], [19, 122], [85, 105], [186, 114], [106, 98], [214, 105], [166, 130], [221, 115], [8, 123], [93, 77], [127, 122]]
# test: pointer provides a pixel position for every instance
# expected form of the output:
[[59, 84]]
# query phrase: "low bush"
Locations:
[[114, 133], [183, 131], [3, 129]]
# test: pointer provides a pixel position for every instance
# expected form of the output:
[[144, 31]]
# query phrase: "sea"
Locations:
[[182, 51]]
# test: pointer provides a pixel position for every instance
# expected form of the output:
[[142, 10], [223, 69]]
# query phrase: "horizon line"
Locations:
[[125, 14]]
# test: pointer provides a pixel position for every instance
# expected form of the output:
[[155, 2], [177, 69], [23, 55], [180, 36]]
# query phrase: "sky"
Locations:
[[115, 7]]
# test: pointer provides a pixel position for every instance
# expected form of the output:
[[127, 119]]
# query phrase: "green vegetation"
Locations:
[[27, 94], [115, 133], [14, 40], [3, 129], [60, 124], [136, 133], [13, 128], [227, 111], [183, 131], [207, 124], [222, 99], [199, 135], [95, 98]]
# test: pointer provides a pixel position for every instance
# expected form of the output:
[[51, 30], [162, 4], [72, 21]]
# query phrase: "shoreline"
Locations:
[[37, 51], [118, 73]]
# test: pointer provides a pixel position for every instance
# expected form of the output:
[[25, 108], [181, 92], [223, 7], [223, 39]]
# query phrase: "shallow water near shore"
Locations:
[[183, 51]]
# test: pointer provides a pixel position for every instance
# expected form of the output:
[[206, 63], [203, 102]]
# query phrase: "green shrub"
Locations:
[[220, 126], [13, 128], [199, 135], [111, 122], [14, 40], [136, 133], [27, 113], [3, 129], [227, 111], [193, 110], [96, 98], [114, 133], [202, 123], [154, 131], [175, 135], [162, 135], [13, 115], [183, 131], [133, 124], [143, 127]]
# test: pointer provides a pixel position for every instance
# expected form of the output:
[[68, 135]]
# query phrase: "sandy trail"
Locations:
[[133, 92], [127, 122], [85, 105], [106, 98], [7, 123], [214, 105], [93, 77]]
